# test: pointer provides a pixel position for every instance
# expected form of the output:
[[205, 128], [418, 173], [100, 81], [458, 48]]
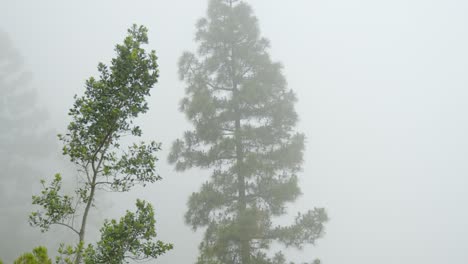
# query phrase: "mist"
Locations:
[[381, 101]]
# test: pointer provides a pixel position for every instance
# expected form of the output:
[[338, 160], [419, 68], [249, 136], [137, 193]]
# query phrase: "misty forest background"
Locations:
[[381, 100]]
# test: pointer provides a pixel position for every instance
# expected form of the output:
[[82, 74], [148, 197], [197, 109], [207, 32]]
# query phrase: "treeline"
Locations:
[[244, 134]]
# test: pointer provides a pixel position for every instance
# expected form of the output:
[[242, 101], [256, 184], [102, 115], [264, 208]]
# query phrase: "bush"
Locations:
[[38, 256]]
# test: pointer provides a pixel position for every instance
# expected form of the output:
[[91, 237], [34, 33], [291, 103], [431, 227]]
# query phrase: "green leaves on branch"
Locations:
[[111, 103], [68, 253], [136, 166], [38, 256], [307, 228], [130, 238], [57, 208]]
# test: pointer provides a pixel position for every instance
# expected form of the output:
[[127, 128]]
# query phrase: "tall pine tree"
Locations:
[[244, 119]]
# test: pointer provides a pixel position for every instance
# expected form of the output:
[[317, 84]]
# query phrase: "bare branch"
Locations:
[[69, 226]]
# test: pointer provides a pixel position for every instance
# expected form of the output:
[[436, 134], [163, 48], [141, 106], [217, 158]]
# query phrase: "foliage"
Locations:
[[133, 235], [244, 119], [100, 118], [56, 207], [38, 256], [68, 253]]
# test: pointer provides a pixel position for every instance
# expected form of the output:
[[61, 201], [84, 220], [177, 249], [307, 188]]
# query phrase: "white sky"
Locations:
[[382, 100]]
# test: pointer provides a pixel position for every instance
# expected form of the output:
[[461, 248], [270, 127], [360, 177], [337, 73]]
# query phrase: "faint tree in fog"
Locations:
[[100, 118], [244, 119], [25, 142]]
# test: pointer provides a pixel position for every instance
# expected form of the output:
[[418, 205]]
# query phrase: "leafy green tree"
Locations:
[[38, 256], [100, 118], [25, 143], [244, 119]]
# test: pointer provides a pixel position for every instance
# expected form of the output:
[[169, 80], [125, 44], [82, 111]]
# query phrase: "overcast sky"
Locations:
[[382, 101]]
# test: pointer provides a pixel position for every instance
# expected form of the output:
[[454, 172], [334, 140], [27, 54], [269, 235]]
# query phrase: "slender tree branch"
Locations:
[[69, 226], [218, 88]]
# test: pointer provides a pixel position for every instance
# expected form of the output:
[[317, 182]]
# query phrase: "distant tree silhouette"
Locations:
[[25, 141], [244, 132]]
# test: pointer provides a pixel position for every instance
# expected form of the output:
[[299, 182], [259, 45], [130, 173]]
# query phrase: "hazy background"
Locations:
[[382, 100]]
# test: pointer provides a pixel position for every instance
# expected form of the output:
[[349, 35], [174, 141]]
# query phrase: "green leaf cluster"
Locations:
[[38, 256], [57, 208], [130, 238]]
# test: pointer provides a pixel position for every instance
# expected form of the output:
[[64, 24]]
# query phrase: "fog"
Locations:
[[381, 99]]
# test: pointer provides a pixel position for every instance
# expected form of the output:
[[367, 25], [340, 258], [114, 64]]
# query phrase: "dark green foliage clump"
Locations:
[[244, 132]]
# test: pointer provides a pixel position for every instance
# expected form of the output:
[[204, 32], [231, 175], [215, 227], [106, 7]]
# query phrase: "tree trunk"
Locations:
[[84, 220], [243, 236], [244, 240]]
